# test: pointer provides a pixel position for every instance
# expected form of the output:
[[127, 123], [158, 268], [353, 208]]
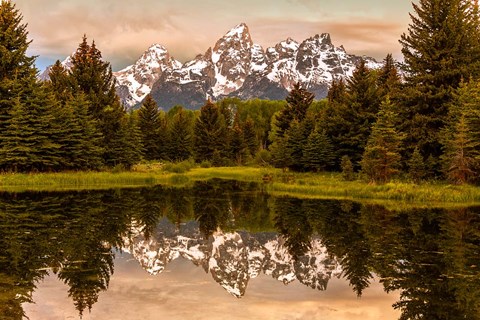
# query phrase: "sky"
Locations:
[[185, 291], [124, 29]]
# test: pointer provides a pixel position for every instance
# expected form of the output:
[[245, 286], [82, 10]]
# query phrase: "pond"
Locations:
[[226, 249]]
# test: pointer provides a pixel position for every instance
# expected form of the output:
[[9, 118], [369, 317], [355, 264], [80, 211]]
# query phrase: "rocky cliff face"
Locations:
[[232, 258], [136, 81], [235, 66]]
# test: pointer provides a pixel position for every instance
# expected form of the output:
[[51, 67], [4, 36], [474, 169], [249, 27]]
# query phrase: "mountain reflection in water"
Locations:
[[236, 232]]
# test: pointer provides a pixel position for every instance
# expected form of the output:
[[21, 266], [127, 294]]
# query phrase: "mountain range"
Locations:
[[234, 67], [232, 258]]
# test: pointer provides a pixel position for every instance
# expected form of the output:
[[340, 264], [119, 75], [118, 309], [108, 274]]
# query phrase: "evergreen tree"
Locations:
[[181, 137], [250, 136], [298, 102], [164, 137], [349, 124], [440, 49], [114, 134], [388, 79], [237, 144], [337, 91], [93, 77], [17, 70], [209, 133], [318, 153], [416, 166], [381, 158], [79, 137], [281, 154], [59, 83], [459, 163], [347, 169], [295, 143], [134, 145], [31, 137], [149, 125], [461, 135]]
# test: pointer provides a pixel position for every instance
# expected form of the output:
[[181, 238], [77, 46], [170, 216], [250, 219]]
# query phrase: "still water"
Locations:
[[228, 250]]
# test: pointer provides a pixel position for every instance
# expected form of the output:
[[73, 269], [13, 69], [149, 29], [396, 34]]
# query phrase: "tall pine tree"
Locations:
[[298, 102], [17, 70], [348, 124], [209, 133], [92, 76], [440, 49], [381, 158], [181, 137], [461, 135], [149, 124]]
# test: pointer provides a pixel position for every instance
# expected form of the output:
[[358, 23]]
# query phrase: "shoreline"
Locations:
[[276, 182]]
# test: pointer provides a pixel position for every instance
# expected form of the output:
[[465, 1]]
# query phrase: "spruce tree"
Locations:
[[237, 145], [416, 166], [181, 137], [149, 125], [381, 158], [337, 91], [89, 154], [298, 102], [31, 137], [459, 162], [280, 153], [209, 133], [347, 169], [388, 79], [440, 49], [71, 137], [348, 124], [133, 144], [250, 136], [17, 70], [295, 143], [92, 76], [59, 83], [318, 153], [461, 135]]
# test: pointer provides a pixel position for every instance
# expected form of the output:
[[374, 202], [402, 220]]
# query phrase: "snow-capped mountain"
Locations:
[[136, 81], [232, 258], [236, 66]]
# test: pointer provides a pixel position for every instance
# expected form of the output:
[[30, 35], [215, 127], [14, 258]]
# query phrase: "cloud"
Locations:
[[124, 29], [371, 37]]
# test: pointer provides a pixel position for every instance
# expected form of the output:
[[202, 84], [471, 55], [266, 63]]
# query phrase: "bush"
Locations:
[[263, 158], [205, 164], [180, 167], [347, 169], [118, 168]]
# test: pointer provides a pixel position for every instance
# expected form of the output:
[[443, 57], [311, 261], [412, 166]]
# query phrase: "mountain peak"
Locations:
[[323, 38], [157, 48], [238, 30]]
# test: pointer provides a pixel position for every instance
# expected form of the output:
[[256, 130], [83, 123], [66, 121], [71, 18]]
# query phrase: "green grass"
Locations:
[[304, 185]]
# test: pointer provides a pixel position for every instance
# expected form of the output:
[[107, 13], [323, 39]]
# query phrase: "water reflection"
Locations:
[[236, 232]]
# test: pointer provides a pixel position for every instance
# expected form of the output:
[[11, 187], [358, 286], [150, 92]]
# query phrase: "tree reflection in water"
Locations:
[[430, 255]]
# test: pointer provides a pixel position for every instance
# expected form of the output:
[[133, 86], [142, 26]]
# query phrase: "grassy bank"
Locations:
[[306, 185]]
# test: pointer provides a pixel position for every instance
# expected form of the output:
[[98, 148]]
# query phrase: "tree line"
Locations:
[[419, 119]]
